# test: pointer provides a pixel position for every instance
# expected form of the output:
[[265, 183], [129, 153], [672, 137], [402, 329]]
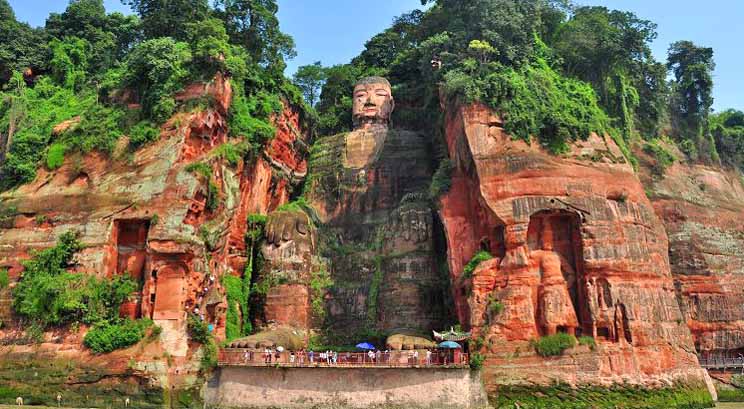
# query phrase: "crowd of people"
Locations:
[[274, 356]]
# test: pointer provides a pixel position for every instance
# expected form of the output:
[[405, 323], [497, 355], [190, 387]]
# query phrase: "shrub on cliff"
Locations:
[[474, 262], [663, 158], [106, 336], [50, 295], [441, 182], [554, 345], [476, 360], [4, 279], [198, 329]]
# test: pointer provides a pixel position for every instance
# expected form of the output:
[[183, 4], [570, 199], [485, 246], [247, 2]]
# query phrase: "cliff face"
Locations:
[[177, 232], [577, 248], [702, 209]]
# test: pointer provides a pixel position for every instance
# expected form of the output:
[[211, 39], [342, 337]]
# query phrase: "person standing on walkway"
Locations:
[[428, 357], [311, 354]]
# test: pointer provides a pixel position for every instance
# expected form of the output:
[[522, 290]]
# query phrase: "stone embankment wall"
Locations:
[[288, 388]]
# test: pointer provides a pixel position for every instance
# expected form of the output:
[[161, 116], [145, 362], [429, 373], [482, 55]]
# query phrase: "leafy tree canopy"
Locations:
[[168, 18], [692, 98], [310, 79]]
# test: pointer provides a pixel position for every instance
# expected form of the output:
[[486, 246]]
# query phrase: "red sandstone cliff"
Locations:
[[702, 209], [148, 216], [578, 248]]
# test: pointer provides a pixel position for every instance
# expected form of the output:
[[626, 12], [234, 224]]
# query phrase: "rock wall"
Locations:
[[578, 249], [298, 388], [702, 208], [147, 214], [377, 232]]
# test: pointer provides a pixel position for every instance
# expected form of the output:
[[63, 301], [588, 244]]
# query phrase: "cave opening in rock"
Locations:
[[555, 235], [131, 258], [131, 247]]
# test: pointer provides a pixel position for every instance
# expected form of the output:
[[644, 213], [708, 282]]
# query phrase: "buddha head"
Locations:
[[373, 102]]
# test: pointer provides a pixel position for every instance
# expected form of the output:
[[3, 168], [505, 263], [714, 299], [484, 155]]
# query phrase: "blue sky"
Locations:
[[334, 31]]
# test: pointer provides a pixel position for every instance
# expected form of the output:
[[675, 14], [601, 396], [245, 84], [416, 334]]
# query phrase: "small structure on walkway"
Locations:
[[451, 335]]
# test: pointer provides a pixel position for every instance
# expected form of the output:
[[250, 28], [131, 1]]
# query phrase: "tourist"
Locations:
[[415, 357], [329, 356], [311, 355], [278, 355], [378, 356], [335, 357], [371, 356], [302, 356], [245, 356], [292, 357], [266, 355], [428, 357], [387, 356]]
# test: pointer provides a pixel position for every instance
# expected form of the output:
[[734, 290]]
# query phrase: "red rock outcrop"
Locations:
[[702, 208], [578, 249], [149, 218]]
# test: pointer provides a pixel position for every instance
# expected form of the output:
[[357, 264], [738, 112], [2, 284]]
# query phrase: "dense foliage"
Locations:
[[554, 345], [554, 70], [474, 262], [89, 67], [47, 294], [107, 337], [677, 396], [727, 128]]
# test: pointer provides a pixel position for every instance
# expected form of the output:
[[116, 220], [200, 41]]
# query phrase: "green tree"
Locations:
[[209, 44], [157, 69], [253, 25], [610, 49], [382, 50], [727, 128], [482, 49], [310, 79], [110, 36], [168, 18], [692, 67], [21, 47], [69, 61]]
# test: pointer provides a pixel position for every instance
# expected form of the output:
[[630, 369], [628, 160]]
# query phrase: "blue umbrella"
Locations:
[[450, 345], [365, 345]]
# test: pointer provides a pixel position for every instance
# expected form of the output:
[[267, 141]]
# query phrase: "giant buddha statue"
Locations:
[[371, 227]]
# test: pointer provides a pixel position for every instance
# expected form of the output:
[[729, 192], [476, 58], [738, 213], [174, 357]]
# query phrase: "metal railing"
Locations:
[[391, 359], [721, 362]]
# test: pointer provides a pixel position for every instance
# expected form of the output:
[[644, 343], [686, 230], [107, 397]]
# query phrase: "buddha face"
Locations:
[[373, 102]]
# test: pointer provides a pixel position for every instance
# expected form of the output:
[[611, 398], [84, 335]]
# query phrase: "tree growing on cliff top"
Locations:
[[168, 18], [21, 46], [692, 67], [310, 79]]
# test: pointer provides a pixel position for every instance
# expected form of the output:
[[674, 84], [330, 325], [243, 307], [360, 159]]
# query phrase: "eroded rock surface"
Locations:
[[702, 209], [578, 249], [151, 218]]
